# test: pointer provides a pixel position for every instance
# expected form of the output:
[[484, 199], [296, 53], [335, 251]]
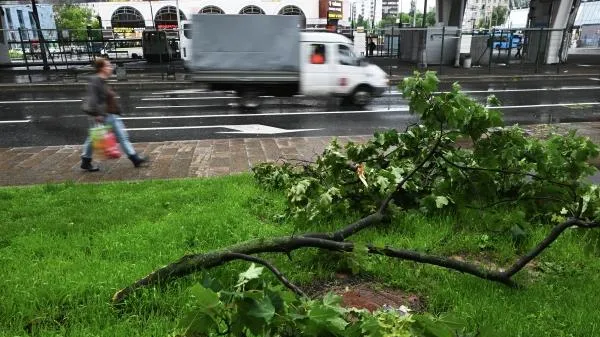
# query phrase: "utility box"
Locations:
[[438, 38]]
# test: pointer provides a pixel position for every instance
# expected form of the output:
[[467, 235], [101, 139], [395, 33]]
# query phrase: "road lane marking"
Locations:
[[16, 121], [405, 108], [177, 106], [543, 105], [391, 109], [239, 129], [186, 98], [45, 101]]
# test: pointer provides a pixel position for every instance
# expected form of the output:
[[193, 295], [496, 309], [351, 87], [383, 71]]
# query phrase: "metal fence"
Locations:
[[70, 47], [524, 49], [530, 50]]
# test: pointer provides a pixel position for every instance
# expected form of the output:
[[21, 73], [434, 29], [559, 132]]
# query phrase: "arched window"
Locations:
[[166, 18], [127, 17], [252, 10], [211, 10], [294, 10], [291, 10]]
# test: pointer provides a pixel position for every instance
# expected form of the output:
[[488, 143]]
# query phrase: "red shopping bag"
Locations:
[[111, 148]]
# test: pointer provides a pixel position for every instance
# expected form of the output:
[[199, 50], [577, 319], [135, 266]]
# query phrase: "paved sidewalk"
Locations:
[[177, 159], [180, 159]]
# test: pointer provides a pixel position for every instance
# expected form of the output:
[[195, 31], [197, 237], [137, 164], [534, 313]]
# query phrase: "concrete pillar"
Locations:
[[557, 16], [558, 20], [450, 12]]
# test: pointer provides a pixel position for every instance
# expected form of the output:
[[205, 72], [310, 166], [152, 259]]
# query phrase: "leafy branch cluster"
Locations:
[[503, 164], [424, 168], [257, 308]]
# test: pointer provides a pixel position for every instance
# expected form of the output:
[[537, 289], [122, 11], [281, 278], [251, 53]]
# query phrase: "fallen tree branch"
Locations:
[[554, 234], [191, 263], [195, 262], [272, 268], [464, 267]]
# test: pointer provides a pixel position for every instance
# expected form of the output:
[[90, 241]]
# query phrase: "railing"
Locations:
[[69, 47], [531, 48]]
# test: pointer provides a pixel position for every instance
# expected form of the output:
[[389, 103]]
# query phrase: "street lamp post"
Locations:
[[178, 19]]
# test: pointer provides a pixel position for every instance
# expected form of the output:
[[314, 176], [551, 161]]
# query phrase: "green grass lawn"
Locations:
[[65, 249]]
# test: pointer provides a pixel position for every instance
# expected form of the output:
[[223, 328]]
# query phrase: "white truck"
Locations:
[[268, 55]]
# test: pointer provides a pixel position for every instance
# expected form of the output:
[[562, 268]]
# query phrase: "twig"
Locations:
[[387, 200], [531, 175], [515, 200], [272, 268], [349, 230]]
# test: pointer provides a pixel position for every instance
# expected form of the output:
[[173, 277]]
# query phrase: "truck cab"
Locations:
[[337, 70]]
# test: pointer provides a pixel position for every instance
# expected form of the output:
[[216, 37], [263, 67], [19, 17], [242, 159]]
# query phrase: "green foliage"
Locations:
[[502, 165], [390, 20], [76, 19], [258, 308], [498, 17]]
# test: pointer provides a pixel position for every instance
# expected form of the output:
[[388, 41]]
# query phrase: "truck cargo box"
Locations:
[[245, 44]]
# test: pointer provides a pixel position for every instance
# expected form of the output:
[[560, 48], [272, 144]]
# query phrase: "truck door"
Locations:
[[348, 72], [315, 75]]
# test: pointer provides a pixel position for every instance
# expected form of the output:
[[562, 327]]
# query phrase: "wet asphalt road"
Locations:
[[30, 118]]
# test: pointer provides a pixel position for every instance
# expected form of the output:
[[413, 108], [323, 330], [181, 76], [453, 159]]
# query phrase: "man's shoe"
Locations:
[[86, 164], [137, 160]]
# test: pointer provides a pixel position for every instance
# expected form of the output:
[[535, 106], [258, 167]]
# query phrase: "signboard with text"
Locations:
[[334, 10]]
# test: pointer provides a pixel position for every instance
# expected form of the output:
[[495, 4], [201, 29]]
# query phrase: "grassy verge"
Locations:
[[65, 249]]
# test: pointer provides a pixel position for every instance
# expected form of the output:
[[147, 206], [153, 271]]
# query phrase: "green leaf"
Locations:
[[332, 300], [252, 273], [324, 315], [205, 299], [431, 328], [262, 308], [441, 201], [197, 324]]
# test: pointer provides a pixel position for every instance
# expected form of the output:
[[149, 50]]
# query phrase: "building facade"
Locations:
[[389, 7], [477, 11], [369, 10], [20, 16], [139, 15]]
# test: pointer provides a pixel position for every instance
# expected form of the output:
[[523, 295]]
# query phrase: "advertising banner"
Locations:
[[334, 10]]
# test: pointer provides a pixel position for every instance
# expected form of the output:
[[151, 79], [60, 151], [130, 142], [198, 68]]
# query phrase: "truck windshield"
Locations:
[[346, 55]]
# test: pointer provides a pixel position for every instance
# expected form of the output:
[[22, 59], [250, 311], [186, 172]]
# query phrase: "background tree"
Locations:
[[361, 22], [76, 19], [499, 15]]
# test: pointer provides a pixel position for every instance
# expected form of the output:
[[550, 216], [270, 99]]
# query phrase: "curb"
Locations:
[[153, 85]]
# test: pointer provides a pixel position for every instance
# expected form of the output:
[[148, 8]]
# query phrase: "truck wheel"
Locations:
[[361, 97], [250, 99]]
